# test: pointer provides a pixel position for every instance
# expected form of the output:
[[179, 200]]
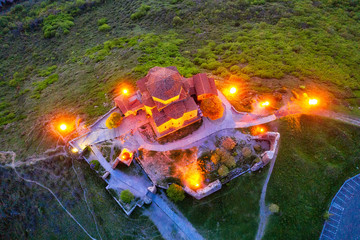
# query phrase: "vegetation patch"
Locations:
[[55, 25], [140, 12], [126, 196], [40, 86], [175, 192]]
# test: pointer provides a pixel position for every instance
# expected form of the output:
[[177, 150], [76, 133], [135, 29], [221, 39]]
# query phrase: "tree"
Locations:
[[228, 143], [223, 171], [212, 107], [274, 208], [175, 192], [126, 196], [114, 120]]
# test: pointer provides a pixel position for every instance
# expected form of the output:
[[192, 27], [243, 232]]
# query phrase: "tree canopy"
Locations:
[[114, 120], [175, 192], [212, 107], [126, 196]]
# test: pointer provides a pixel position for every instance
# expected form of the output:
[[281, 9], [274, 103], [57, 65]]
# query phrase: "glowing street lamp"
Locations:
[[125, 91], [233, 90], [63, 127], [264, 104], [74, 150], [313, 101]]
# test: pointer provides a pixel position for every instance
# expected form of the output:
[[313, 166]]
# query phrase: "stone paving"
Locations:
[[344, 220]]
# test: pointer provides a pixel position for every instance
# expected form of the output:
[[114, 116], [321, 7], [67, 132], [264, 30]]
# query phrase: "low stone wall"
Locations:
[[267, 156], [203, 192]]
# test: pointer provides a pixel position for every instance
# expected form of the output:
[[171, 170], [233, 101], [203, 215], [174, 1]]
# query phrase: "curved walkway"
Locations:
[[344, 220], [264, 211]]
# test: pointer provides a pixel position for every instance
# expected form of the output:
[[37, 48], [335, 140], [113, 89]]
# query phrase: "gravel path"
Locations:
[[264, 211]]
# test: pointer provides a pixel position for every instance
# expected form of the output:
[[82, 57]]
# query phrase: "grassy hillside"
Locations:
[[314, 160], [71, 56], [31, 212]]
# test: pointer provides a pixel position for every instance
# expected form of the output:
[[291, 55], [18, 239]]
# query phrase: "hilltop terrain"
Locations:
[[71, 58]]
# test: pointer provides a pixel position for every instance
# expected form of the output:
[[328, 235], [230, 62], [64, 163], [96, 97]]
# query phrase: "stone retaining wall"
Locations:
[[267, 156]]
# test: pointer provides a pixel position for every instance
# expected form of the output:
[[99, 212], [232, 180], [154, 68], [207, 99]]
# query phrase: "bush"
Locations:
[[114, 120], [175, 192], [55, 25], [223, 171], [229, 161], [94, 164], [274, 208], [40, 86], [105, 27], [126, 196], [46, 72], [215, 158], [246, 152], [102, 21], [177, 20], [212, 107], [140, 12], [228, 143]]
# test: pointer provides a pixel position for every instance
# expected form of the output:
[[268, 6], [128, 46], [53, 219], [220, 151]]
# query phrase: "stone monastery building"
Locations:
[[168, 98]]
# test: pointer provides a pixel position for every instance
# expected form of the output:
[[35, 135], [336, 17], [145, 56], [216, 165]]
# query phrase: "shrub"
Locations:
[[47, 81], [235, 69], [46, 72], [17, 79], [215, 158], [212, 65], [274, 208], [126, 196], [114, 120], [228, 143], [229, 161], [246, 152], [94, 164], [102, 21], [140, 12], [54, 25], [177, 20], [175, 192], [212, 107], [223, 171], [326, 215], [105, 27]]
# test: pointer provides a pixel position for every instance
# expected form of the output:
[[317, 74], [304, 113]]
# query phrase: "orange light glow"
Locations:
[[125, 91], [194, 179], [258, 130], [63, 127], [192, 176], [74, 150], [233, 90], [313, 101], [264, 104]]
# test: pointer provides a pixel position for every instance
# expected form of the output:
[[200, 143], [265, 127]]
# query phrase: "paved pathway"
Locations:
[[176, 217], [344, 220], [264, 211]]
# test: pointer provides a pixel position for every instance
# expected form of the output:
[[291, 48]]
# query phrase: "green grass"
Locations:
[[311, 166], [32, 212], [229, 213]]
